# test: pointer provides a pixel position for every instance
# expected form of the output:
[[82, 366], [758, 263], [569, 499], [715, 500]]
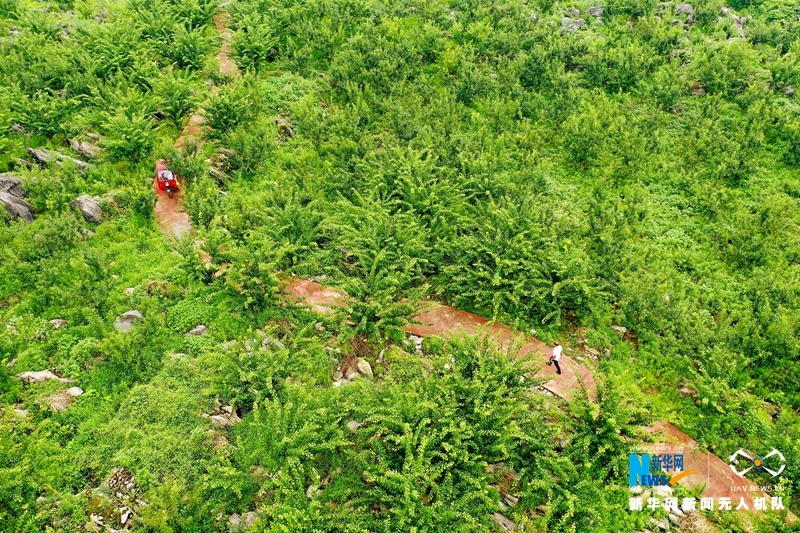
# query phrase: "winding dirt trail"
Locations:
[[444, 321], [172, 219]]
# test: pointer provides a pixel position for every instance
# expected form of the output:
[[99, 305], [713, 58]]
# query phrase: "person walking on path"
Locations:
[[556, 357]]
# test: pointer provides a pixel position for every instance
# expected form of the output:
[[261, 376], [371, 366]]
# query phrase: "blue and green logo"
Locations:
[[658, 469]]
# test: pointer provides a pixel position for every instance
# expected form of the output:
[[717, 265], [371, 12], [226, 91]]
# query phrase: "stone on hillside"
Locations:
[[45, 157], [364, 367], [226, 419], [595, 11], [661, 524], [354, 425], [662, 491], [686, 391], [22, 413], [740, 21], [89, 207], [60, 400], [684, 9], [568, 24], [622, 330], [574, 11], [505, 523], [788, 91], [12, 186], [16, 207], [58, 323], [274, 342], [593, 352], [250, 518], [199, 330], [125, 321], [675, 519], [84, 148], [42, 375], [417, 343], [235, 519], [74, 391]]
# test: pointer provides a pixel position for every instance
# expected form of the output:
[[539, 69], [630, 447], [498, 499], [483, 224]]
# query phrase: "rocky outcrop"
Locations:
[[89, 207], [42, 375], [125, 321], [225, 418], [11, 194], [84, 148], [47, 157]]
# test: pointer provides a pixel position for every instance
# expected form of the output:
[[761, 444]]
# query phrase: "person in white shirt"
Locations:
[[556, 357]]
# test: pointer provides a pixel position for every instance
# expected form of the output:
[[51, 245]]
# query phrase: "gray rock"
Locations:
[[661, 524], [250, 518], [125, 321], [129, 291], [75, 391], [569, 24], [725, 10], [22, 413], [574, 11], [354, 425], [199, 330], [16, 207], [622, 330], [595, 11], [12, 185], [58, 323], [684, 9], [42, 375], [235, 519], [662, 491], [675, 519], [788, 91], [504, 522], [225, 420], [84, 148], [686, 391], [89, 207], [46, 157], [364, 367], [740, 21]]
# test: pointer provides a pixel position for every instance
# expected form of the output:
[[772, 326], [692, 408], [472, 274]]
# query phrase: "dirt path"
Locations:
[[444, 321], [172, 219]]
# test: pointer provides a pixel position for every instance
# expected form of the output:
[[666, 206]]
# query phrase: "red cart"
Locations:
[[166, 179]]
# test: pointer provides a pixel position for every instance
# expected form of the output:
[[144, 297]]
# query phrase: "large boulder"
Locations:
[[89, 207], [12, 186], [684, 9], [16, 207]]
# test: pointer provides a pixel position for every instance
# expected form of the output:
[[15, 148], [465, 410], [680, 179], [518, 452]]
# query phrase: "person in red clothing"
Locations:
[[556, 357]]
